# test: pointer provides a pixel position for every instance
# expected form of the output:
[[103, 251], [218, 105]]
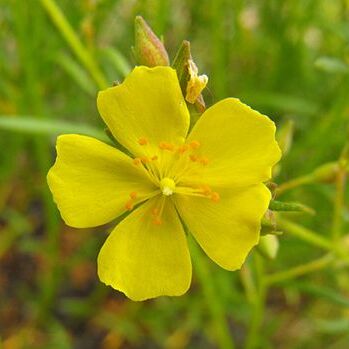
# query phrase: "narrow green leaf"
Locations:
[[34, 125], [280, 102], [119, 62], [332, 326], [325, 293], [77, 73]]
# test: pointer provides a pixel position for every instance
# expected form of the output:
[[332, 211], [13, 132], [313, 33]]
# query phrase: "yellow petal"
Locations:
[[91, 181], [148, 107], [238, 143], [145, 260], [226, 230]]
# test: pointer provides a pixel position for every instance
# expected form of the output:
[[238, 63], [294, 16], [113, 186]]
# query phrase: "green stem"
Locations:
[[338, 204], [248, 283], [300, 270], [216, 308], [252, 340], [219, 12], [72, 39], [312, 237], [304, 233], [293, 183]]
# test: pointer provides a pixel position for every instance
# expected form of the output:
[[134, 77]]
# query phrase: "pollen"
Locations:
[[167, 186], [154, 158], [142, 141], [194, 144]]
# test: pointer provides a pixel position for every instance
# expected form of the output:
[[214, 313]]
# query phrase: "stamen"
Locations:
[[144, 159], [162, 145], [182, 149], [155, 211], [204, 161], [137, 161], [157, 220], [142, 141], [194, 144], [133, 195], [193, 157], [166, 146], [215, 197], [206, 190], [154, 158], [129, 205]]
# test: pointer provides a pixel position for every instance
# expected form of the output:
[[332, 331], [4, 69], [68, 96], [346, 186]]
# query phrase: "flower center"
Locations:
[[168, 166], [167, 186]]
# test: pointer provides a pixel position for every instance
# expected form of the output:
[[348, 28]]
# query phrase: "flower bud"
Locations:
[[268, 246], [148, 49]]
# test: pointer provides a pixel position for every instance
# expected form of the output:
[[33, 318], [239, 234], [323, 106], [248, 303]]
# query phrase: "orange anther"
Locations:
[[137, 161], [129, 205], [144, 159], [133, 195], [204, 160], [215, 197], [206, 190], [143, 141], [157, 220], [154, 158], [193, 158], [155, 211], [170, 147], [194, 144], [182, 149], [166, 146], [163, 145]]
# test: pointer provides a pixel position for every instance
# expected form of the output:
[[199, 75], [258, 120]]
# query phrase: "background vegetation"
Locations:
[[286, 58]]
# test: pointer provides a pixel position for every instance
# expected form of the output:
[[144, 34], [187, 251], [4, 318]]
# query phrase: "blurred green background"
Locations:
[[287, 59]]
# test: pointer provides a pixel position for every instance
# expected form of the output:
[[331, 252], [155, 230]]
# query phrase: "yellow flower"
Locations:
[[211, 179]]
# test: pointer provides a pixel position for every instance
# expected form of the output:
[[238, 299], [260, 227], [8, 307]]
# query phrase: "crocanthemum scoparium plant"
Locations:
[[210, 179]]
